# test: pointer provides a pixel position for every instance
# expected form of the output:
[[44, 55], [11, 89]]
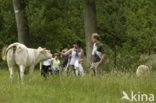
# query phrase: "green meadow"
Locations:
[[70, 89]]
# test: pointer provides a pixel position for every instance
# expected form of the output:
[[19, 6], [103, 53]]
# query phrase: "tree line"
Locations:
[[127, 27]]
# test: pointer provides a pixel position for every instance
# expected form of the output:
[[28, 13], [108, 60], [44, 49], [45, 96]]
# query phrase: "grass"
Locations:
[[87, 89]]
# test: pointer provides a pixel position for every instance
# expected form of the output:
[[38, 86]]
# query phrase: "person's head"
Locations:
[[64, 50], [77, 43], [95, 37], [56, 55]]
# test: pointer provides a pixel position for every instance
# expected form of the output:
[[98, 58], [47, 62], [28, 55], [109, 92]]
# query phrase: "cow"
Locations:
[[142, 70], [25, 58]]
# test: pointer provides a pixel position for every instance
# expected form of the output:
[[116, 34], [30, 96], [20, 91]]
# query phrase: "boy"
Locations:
[[44, 67]]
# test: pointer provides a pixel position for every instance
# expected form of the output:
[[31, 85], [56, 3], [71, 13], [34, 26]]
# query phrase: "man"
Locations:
[[98, 54]]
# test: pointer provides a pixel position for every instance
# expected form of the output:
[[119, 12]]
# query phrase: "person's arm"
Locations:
[[82, 56], [66, 53], [103, 54], [51, 65], [102, 58], [40, 66]]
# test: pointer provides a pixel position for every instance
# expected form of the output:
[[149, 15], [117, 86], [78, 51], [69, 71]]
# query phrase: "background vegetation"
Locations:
[[127, 27]]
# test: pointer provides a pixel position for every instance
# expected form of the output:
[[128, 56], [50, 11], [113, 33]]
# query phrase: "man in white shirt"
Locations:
[[98, 54]]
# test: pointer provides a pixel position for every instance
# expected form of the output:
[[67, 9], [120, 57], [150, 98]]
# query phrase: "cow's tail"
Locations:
[[3, 53], [6, 49]]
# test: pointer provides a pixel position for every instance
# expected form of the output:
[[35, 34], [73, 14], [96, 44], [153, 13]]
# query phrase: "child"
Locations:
[[55, 64], [44, 67]]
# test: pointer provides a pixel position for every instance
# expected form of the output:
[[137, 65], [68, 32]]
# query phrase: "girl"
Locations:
[[55, 64]]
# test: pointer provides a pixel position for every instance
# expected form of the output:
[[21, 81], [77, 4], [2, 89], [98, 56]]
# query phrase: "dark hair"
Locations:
[[96, 36], [78, 42]]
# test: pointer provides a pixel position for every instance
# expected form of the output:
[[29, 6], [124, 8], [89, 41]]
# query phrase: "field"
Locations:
[[87, 89]]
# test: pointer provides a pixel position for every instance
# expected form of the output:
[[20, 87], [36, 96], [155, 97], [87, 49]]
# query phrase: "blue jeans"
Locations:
[[56, 68]]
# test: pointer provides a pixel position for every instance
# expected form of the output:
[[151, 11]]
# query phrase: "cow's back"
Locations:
[[21, 55], [15, 53]]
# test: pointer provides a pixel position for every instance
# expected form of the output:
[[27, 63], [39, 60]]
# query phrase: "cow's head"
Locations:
[[44, 54]]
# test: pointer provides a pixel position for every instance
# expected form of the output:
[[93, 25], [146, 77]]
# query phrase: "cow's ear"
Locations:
[[43, 51], [39, 47]]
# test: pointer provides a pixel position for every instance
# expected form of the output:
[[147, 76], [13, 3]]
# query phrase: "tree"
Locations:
[[90, 25], [21, 21]]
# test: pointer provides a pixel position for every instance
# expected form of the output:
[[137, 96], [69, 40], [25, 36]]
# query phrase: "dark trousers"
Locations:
[[45, 71]]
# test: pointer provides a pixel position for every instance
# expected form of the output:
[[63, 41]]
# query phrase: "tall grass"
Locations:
[[100, 89]]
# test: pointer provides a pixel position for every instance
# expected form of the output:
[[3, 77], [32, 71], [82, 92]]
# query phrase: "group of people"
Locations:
[[73, 59]]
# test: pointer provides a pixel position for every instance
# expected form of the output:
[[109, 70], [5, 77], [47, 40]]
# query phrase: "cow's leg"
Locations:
[[11, 70], [31, 69], [22, 68], [19, 78]]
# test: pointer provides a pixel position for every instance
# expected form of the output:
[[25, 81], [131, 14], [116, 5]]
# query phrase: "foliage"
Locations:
[[127, 27], [55, 23]]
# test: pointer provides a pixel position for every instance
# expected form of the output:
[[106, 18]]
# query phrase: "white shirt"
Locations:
[[95, 52], [47, 62], [74, 58]]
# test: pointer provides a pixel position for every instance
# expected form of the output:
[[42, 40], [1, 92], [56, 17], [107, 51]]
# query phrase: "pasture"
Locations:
[[105, 89]]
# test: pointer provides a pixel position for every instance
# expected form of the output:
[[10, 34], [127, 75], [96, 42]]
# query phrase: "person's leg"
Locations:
[[65, 69], [71, 68], [74, 70], [93, 69], [46, 71], [43, 71], [54, 68], [58, 70], [50, 71], [99, 68]]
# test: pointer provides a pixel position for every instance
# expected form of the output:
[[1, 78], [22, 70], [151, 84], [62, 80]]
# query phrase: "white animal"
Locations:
[[25, 58], [142, 70]]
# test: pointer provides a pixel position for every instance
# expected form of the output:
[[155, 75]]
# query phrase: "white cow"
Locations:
[[25, 58], [142, 70]]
